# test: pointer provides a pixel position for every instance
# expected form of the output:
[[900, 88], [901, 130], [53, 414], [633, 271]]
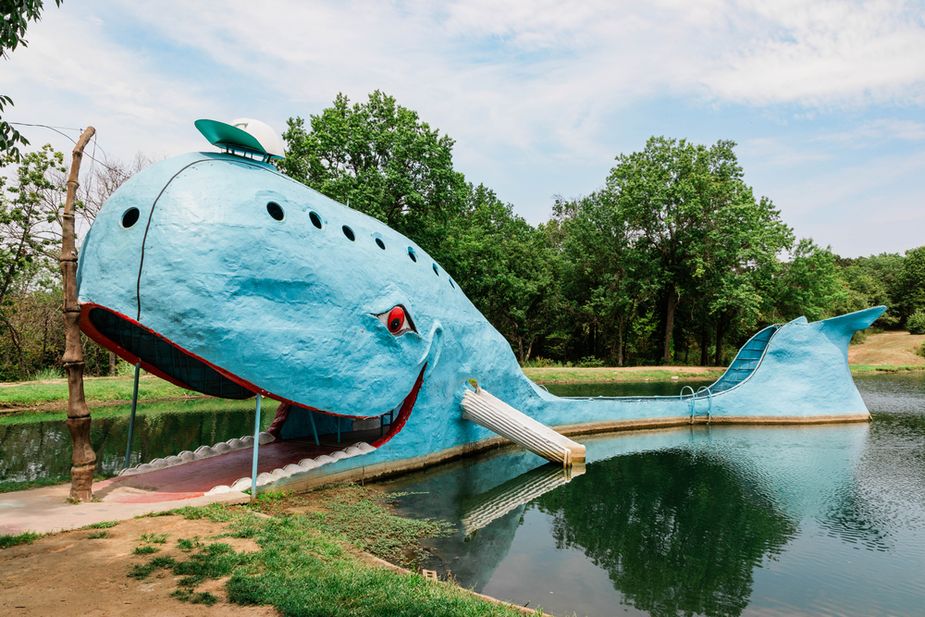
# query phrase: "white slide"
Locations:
[[481, 407]]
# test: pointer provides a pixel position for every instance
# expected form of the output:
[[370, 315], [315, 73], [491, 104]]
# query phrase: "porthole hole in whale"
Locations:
[[275, 210], [315, 219], [161, 357], [130, 217], [380, 243], [349, 233], [436, 269], [411, 254]]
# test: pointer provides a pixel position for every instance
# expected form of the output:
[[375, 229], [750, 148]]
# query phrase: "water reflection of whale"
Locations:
[[499, 501], [679, 520]]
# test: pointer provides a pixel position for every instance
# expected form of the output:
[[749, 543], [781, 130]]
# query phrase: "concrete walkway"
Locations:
[[46, 510]]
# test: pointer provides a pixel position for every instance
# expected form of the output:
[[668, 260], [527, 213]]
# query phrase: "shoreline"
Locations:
[[50, 396]]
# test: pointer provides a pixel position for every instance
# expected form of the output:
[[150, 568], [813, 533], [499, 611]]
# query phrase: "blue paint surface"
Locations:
[[292, 311]]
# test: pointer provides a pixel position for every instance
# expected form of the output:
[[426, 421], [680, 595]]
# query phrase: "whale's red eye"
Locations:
[[396, 320]]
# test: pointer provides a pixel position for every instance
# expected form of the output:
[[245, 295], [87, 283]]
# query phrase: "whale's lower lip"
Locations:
[[130, 340]]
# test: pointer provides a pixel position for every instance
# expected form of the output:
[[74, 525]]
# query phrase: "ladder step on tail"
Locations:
[[488, 411]]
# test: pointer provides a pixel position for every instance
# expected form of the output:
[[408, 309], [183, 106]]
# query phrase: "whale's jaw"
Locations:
[[136, 343]]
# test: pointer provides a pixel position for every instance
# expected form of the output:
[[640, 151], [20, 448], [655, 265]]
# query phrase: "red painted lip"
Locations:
[[404, 413], [93, 332]]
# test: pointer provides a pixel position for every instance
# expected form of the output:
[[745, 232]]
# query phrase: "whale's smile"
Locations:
[[160, 356]]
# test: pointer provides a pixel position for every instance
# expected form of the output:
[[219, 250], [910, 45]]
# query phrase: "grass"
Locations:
[[153, 538], [145, 408], [98, 535], [145, 549], [7, 486], [96, 389], [6, 541], [867, 369], [47, 374], [309, 560], [45, 401], [577, 375], [102, 525], [362, 516], [186, 595]]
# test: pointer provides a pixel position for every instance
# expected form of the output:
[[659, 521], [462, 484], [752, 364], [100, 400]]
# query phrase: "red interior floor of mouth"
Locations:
[[195, 478]]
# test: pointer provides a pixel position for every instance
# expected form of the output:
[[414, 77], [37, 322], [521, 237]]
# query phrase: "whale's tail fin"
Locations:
[[840, 329]]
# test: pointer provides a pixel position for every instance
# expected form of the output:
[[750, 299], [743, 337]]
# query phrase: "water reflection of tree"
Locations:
[[678, 533], [36, 450]]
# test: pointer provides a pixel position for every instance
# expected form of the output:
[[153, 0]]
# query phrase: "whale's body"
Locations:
[[234, 280]]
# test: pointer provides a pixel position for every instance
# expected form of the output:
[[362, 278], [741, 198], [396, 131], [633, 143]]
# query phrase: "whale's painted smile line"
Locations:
[[160, 356]]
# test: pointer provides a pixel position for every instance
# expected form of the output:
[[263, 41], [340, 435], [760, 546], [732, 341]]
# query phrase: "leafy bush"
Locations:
[[590, 362], [46, 374], [540, 362], [916, 323]]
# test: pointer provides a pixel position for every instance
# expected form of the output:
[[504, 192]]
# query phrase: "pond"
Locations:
[[703, 520], [38, 446], [718, 520]]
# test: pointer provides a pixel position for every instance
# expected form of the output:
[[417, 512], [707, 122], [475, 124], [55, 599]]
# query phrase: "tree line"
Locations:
[[673, 259]]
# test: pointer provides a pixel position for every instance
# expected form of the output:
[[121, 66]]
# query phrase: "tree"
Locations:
[[30, 217], [380, 158], [688, 210], [872, 281], [31, 198], [909, 293], [606, 277], [736, 259], [810, 283], [14, 19], [505, 267]]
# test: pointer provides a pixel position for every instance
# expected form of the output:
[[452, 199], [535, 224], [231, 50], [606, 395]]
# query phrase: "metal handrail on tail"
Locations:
[[690, 402], [709, 399]]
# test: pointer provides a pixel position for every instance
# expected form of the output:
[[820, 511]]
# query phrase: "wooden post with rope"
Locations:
[[83, 459]]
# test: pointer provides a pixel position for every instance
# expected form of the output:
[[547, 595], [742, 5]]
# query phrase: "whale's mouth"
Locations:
[[280, 458], [396, 417], [136, 343], [158, 355]]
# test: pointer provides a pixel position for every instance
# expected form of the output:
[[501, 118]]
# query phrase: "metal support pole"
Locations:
[[256, 449], [311, 419], [338, 429], [131, 419]]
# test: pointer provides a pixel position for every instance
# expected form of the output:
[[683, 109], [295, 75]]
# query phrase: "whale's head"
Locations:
[[228, 278]]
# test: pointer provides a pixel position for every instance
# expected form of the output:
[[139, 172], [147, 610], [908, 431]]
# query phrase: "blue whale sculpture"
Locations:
[[224, 276]]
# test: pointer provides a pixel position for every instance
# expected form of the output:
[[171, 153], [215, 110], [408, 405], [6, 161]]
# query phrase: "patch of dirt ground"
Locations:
[[71, 574], [896, 348]]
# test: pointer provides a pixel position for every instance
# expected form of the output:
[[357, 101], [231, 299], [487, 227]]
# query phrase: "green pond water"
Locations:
[[811, 520], [38, 446]]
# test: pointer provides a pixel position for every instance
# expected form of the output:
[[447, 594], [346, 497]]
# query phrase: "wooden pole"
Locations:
[[83, 459]]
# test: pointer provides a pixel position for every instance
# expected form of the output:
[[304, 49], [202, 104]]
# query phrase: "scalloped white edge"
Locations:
[[291, 469], [235, 443]]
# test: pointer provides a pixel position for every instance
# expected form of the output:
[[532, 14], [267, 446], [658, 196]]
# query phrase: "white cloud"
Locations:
[[828, 53], [875, 131], [553, 85]]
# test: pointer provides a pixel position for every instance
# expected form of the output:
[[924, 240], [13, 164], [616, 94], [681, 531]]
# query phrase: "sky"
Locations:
[[826, 100]]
